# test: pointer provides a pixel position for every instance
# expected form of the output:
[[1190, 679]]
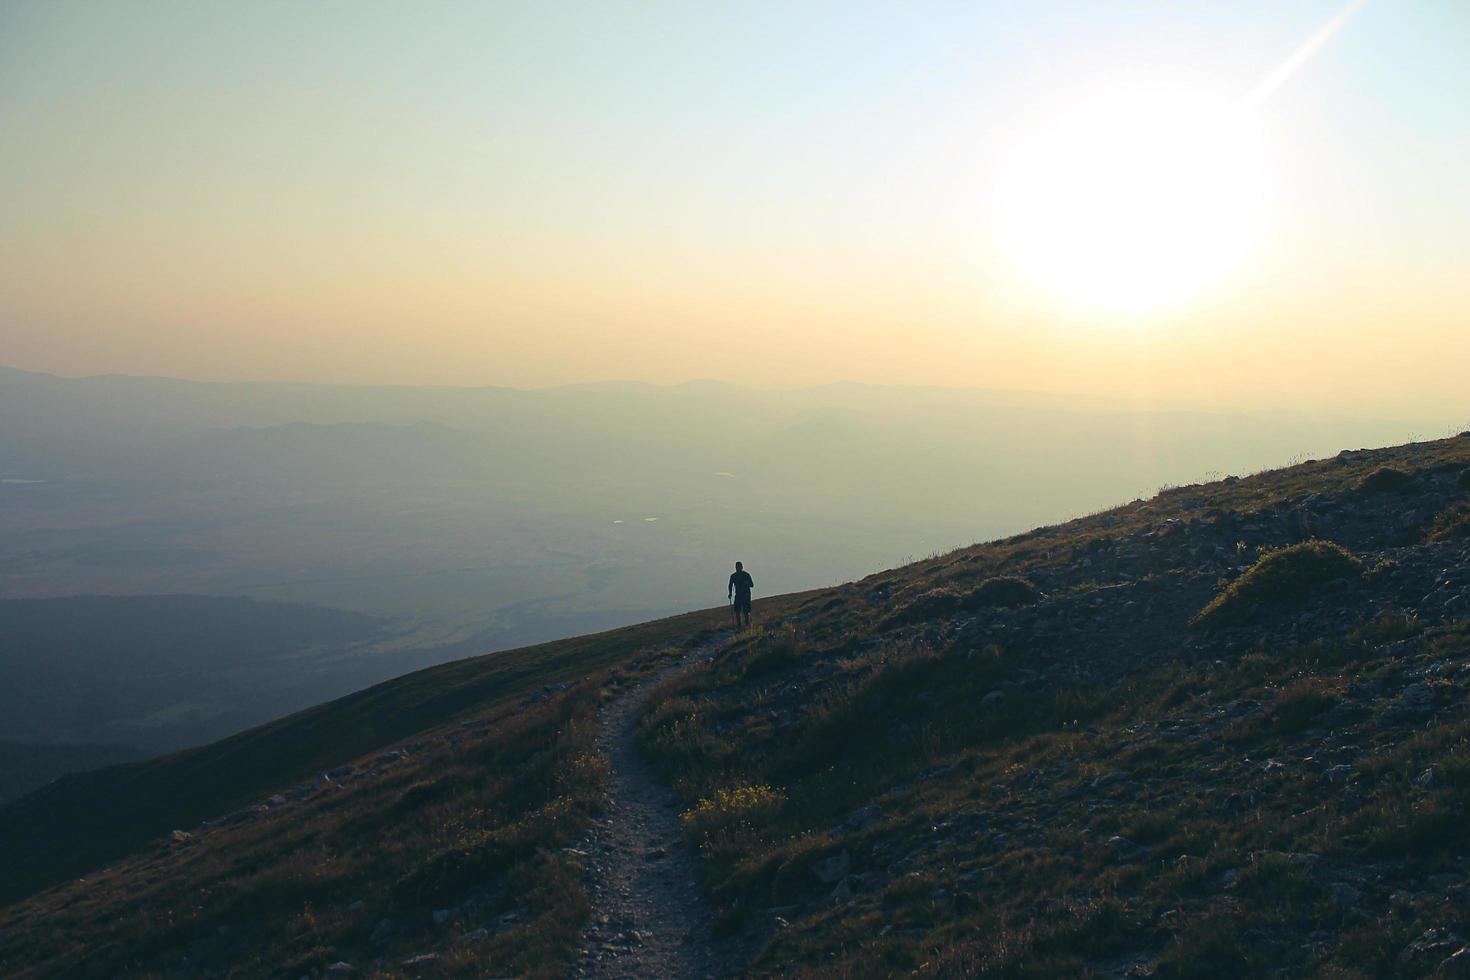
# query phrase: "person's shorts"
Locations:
[[742, 603]]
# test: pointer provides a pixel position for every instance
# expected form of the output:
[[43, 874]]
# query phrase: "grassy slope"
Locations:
[[84, 821], [889, 783], [989, 848], [24, 766], [454, 791]]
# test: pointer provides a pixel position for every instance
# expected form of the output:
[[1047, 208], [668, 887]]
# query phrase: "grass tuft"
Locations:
[[1383, 479], [1452, 524], [1284, 575]]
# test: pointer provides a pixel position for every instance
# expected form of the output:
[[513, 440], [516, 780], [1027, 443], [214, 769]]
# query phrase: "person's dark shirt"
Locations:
[[742, 583]]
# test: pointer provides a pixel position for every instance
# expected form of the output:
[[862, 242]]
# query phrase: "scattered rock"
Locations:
[[833, 869], [382, 932], [1413, 702], [842, 893], [1432, 946]]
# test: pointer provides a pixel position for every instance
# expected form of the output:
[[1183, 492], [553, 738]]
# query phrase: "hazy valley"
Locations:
[[465, 520]]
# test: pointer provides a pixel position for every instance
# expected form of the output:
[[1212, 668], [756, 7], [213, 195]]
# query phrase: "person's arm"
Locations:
[[730, 591]]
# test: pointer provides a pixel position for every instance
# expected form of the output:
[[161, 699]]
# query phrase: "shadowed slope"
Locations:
[[83, 821]]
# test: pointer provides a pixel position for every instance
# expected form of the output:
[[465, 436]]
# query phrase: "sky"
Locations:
[[1237, 202]]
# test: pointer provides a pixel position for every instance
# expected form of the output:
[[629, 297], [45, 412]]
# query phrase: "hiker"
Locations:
[[740, 586]]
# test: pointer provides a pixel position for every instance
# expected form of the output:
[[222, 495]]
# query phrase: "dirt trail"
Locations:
[[649, 916]]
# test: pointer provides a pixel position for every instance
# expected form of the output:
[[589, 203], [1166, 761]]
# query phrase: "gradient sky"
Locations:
[[768, 193]]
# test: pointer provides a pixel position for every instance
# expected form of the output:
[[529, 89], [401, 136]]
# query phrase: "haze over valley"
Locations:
[[447, 521]]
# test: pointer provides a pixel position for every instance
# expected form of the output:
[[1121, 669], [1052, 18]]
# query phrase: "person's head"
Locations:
[[739, 566]]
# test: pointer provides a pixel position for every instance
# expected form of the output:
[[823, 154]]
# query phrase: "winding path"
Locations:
[[649, 916]]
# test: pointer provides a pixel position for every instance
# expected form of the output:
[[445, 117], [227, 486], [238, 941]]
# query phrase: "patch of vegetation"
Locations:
[[1300, 704], [1279, 576], [1451, 524], [1004, 591], [1385, 479], [770, 651], [1000, 591]]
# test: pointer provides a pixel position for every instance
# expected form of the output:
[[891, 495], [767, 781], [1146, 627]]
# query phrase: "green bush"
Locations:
[[1283, 575]]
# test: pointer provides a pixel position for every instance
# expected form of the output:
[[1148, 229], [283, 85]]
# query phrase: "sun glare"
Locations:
[[1131, 203]]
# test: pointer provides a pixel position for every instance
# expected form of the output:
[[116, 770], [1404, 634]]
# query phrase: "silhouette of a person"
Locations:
[[740, 585]]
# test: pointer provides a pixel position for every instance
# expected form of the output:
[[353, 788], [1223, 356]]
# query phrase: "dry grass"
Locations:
[[1279, 577]]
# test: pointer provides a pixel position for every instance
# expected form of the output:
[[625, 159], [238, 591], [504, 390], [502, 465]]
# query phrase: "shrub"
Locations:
[[743, 804], [1000, 591], [932, 604], [1452, 524], [727, 825], [1003, 590], [1464, 479], [1282, 575], [1383, 479], [771, 651], [1300, 704]]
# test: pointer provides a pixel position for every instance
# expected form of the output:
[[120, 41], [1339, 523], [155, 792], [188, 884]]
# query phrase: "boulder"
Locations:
[[1344, 895], [382, 932], [831, 870], [863, 817]]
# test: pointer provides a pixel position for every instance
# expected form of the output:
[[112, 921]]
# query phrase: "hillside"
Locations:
[[1217, 733], [26, 766], [165, 672]]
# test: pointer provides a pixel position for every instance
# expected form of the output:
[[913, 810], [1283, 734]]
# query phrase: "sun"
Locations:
[[1132, 202]]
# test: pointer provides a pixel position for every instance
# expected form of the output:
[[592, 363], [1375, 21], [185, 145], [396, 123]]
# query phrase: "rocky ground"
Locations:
[[1282, 796], [650, 918]]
